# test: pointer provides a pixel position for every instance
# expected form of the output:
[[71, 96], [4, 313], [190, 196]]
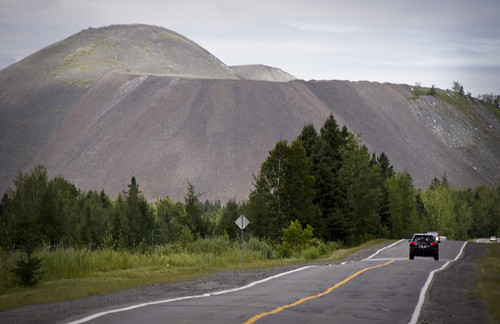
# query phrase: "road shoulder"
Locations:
[[451, 298]]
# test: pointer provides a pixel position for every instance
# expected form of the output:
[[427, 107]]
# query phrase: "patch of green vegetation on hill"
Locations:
[[491, 107], [176, 37], [417, 92], [145, 45], [77, 67], [462, 102], [459, 101]]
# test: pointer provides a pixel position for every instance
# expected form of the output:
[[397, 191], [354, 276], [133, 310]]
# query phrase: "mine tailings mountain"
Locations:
[[110, 103]]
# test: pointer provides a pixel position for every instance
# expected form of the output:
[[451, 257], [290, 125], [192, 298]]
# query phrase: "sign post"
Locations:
[[242, 222]]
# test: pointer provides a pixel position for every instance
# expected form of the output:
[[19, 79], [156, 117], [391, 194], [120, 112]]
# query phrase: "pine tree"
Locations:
[[326, 161], [361, 180], [230, 213], [300, 187], [140, 217], [309, 137], [26, 208], [269, 194], [283, 191], [193, 212]]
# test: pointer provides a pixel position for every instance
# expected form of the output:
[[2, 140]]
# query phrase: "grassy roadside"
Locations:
[[110, 271], [488, 283]]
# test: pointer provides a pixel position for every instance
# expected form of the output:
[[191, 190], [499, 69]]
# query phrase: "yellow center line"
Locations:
[[300, 301]]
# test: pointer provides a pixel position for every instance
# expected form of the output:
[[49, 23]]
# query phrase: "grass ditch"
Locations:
[[69, 274], [488, 283]]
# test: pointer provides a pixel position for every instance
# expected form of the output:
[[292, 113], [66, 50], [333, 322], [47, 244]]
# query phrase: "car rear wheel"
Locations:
[[436, 257], [412, 256]]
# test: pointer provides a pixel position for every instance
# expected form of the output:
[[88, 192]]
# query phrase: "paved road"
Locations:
[[384, 288]]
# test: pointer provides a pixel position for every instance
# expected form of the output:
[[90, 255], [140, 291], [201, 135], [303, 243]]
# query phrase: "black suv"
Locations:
[[424, 245]]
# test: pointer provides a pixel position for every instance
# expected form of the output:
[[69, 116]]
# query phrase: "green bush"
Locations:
[[186, 237], [311, 253], [432, 91], [295, 239], [261, 247]]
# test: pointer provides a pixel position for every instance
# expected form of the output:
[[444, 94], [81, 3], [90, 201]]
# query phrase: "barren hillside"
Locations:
[[262, 73], [110, 103]]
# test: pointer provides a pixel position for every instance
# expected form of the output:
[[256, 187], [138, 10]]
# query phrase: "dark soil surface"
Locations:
[[449, 300]]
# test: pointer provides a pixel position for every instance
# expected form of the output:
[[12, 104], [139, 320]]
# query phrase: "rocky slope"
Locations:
[[110, 103], [262, 73]]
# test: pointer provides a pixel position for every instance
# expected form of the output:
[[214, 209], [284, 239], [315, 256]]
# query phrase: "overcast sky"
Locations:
[[434, 42]]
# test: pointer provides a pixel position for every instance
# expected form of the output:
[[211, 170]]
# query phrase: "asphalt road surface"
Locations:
[[384, 288]]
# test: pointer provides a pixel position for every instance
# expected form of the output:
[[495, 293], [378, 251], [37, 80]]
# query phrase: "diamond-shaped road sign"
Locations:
[[242, 222]]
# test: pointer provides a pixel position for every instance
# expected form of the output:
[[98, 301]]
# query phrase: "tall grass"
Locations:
[[71, 263], [488, 283], [77, 263], [69, 273]]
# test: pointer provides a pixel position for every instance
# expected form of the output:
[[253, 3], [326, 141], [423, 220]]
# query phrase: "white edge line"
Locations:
[[389, 246], [423, 291], [124, 309], [461, 251]]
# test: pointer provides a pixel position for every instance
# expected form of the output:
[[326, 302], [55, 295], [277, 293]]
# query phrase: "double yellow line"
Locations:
[[300, 301]]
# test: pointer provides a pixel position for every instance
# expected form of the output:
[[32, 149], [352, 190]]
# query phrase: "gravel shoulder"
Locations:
[[449, 300]]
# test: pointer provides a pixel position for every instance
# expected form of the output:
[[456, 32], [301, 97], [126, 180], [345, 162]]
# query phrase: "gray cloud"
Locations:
[[432, 42]]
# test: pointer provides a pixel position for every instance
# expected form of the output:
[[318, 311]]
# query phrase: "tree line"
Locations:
[[332, 182], [326, 181]]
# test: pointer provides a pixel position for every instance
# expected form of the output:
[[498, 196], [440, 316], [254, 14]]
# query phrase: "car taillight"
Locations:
[[413, 243], [434, 244]]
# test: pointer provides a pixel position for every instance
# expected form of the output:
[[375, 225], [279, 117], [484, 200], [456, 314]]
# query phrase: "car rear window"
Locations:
[[424, 238]]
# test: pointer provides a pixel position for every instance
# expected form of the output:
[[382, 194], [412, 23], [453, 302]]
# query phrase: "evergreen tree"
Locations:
[[309, 137], [230, 213], [422, 214], [258, 211], [212, 212], [444, 181], [361, 180], [385, 172], [6, 223], [120, 228], [25, 208], [58, 205], [486, 212], [386, 169], [328, 191], [300, 187], [435, 183], [140, 217], [269, 194], [194, 209], [283, 190], [326, 161]]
